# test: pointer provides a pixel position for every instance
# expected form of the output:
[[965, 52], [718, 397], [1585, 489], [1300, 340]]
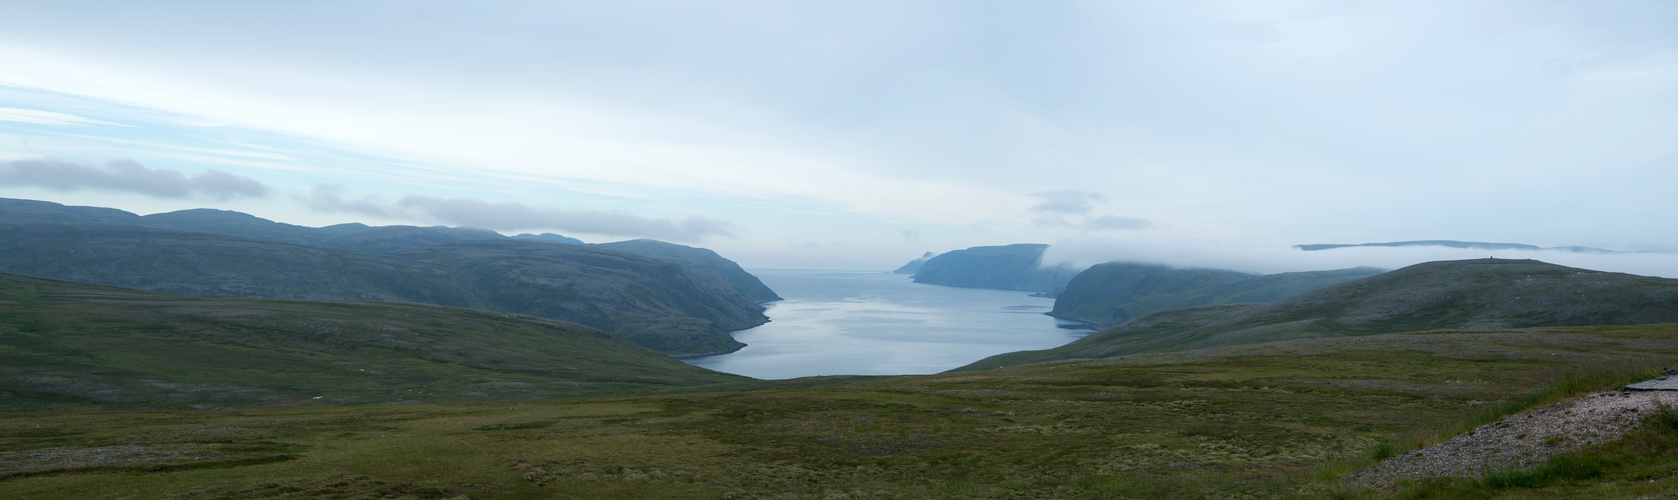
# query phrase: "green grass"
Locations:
[[87, 347], [1270, 424]]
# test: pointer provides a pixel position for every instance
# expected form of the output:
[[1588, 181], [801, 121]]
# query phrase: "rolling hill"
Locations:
[[657, 303], [1116, 292], [1480, 294], [66, 345]]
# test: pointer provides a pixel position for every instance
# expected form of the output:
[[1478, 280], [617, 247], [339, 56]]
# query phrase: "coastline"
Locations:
[[706, 354]]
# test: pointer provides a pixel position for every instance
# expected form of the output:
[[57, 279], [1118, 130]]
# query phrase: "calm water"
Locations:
[[871, 323]]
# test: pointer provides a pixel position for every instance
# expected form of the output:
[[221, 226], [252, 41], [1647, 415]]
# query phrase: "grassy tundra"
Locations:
[[1281, 419]]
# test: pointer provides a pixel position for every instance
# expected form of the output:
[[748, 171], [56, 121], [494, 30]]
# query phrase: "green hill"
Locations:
[[710, 268], [1116, 292], [66, 345], [655, 302], [1009, 267], [1450, 295]]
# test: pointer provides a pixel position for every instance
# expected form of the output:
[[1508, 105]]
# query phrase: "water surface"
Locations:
[[872, 323]]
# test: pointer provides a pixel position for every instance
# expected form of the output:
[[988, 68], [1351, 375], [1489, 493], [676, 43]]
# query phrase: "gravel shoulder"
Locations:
[[1520, 441]]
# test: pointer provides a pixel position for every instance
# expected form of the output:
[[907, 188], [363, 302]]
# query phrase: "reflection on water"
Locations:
[[857, 323]]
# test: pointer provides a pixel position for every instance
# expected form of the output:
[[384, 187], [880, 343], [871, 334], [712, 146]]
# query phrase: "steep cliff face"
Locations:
[[1010, 267], [1115, 292], [1480, 294]]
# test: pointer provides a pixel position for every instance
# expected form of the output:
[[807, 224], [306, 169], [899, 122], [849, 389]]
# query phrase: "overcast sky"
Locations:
[[858, 134]]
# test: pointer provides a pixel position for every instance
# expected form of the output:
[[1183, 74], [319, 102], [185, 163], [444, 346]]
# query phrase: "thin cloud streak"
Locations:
[[128, 176], [39, 117], [516, 216], [512, 216]]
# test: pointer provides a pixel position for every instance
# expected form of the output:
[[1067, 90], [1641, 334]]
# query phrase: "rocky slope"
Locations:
[[1523, 441], [1116, 292], [1479, 294]]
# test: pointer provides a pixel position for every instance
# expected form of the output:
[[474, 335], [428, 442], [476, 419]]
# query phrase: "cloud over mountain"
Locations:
[[130, 176], [512, 216], [1072, 209]]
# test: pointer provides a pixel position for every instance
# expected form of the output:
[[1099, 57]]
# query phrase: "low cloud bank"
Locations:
[[1256, 259], [510, 216], [1073, 209], [128, 176]]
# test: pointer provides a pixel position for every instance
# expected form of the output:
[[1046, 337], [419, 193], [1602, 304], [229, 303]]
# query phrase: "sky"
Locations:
[[859, 134]]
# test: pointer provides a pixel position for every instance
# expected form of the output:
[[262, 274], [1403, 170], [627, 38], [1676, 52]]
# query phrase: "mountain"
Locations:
[[1115, 292], [213, 265], [1480, 294], [704, 264], [353, 236], [357, 237], [13, 211], [1010, 267], [914, 266], [656, 303], [1477, 245], [548, 237], [79, 346]]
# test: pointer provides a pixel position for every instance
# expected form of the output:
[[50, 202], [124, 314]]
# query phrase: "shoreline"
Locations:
[[706, 354]]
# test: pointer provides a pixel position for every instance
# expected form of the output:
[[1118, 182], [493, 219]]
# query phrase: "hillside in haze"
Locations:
[[1477, 245], [674, 298], [1010, 267], [914, 266], [1481, 294], [77, 346], [1116, 292]]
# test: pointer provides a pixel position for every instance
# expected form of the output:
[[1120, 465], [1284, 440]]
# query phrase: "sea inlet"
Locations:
[[873, 323]]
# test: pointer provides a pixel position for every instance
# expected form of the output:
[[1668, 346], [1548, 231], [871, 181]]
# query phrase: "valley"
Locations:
[[442, 367]]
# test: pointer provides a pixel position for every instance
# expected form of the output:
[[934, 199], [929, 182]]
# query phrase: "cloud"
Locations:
[[130, 176], [1115, 222], [1066, 202], [1071, 209], [518, 216], [329, 198], [38, 117], [1084, 252]]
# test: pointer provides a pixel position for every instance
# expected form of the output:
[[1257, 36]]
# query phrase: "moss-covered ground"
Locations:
[[1279, 420]]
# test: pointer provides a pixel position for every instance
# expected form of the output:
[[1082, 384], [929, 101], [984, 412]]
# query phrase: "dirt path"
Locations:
[[1520, 441]]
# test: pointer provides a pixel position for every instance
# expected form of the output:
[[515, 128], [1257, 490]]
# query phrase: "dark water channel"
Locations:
[[871, 323]]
